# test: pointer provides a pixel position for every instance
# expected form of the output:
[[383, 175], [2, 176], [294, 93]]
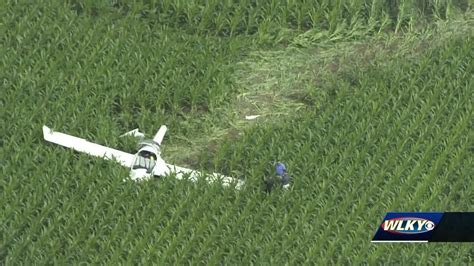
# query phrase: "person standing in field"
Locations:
[[281, 177]]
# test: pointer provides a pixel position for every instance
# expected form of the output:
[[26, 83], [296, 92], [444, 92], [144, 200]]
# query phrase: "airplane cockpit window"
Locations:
[[145, 160]]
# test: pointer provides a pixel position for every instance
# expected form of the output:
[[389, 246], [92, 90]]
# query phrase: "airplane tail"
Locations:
[[134, 133], [158, 138]]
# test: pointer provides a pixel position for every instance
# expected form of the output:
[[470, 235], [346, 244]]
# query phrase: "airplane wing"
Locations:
[[82, 145], [180, 172]]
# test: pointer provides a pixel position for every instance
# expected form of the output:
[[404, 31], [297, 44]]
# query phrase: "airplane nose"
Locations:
[[139, 174]]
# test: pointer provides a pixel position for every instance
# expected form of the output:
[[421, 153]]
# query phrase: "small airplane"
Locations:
[[145, 164]]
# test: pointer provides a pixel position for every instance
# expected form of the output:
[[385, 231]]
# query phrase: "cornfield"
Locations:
[[368, 103]]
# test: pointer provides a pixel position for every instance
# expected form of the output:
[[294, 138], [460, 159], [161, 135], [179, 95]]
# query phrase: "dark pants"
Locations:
[[285, 179], [271, 182]]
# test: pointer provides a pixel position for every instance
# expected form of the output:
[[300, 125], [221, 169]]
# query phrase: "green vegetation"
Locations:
[[368, 102]]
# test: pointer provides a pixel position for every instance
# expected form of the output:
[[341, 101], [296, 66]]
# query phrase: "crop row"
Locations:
[[233, 17]]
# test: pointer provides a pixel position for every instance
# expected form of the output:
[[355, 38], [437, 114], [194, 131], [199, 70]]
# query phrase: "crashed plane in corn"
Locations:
[[145, 164]]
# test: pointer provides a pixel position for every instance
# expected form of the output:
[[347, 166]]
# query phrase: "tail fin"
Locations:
[[134, 133], [158, 138]]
